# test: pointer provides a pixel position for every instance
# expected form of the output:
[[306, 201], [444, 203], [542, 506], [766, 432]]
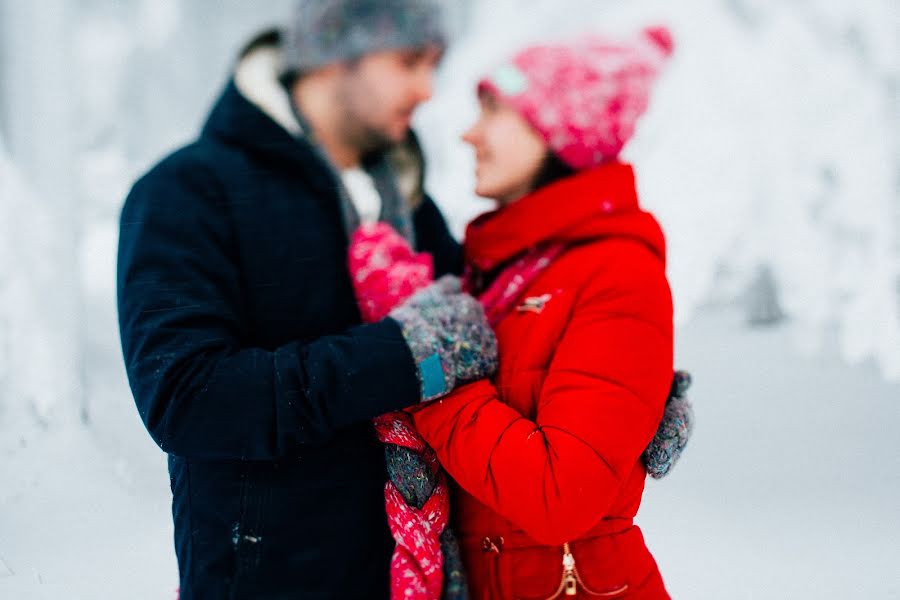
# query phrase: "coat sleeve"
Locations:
[[201, 391], [433, 236], [598, 408]]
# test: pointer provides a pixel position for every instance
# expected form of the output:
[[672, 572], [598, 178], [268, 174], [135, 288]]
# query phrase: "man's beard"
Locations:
[[367, 140], [355, 130]]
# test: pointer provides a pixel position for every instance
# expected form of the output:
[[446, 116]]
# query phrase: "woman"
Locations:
[[545, 459]]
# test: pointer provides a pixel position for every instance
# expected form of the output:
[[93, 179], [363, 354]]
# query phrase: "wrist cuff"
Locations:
[[431, 374]]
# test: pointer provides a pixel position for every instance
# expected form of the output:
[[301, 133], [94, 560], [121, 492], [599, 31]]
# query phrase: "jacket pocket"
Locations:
[[528, 573], [600, 569], [538, 573]]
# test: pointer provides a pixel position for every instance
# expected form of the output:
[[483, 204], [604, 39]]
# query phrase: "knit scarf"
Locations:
[[426, 562], [504, 292]]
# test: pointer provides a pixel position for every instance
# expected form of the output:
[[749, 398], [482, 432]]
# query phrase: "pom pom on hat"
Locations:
[[662, 38]]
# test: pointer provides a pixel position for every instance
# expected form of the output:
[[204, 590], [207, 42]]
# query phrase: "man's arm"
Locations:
[[200, 389]]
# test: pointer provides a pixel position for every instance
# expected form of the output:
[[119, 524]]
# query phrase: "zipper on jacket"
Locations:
[[571, 580]]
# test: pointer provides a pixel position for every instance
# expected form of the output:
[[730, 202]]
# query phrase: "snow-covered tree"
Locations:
[[768, 144]]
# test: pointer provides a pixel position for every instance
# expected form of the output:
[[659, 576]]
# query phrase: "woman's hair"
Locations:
[[552, 170]]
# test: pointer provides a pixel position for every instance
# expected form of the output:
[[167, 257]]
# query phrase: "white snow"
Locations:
[[789, 487], [38, 360], [772, 141], [76, 522]]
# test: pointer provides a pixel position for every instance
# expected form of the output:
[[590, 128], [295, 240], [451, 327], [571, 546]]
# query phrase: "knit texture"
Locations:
[[323, 32], [426, 563], [674, 431], [584, 98], [440, 322], [385, 269]]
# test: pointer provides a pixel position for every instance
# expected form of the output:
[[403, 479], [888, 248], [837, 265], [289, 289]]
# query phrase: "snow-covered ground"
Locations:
[[790, 486], [77, 524], [788, 490]]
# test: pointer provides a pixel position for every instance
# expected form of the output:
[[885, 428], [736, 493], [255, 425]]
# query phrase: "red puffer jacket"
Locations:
[[548, 452]]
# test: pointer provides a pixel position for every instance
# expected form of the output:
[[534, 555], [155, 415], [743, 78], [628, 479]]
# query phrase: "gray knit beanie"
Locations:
[[322, 32]]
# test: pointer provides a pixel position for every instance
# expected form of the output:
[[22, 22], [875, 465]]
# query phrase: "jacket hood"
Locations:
[[597, 204]]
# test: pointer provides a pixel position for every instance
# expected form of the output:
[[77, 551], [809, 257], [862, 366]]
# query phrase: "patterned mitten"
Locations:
[[385, 269], [674, 430], [449, 337]]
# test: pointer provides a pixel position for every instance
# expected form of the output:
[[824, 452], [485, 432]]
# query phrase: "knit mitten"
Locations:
[[674, 430], [433, 295], [449, 337], [385, 269]]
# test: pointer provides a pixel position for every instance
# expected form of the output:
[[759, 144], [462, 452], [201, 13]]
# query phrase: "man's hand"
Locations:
[[449, 337]]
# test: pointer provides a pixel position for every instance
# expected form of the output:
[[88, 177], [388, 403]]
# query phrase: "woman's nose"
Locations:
[[470, 135]]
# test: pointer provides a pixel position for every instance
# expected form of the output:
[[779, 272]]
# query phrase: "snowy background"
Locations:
[[771, 155]]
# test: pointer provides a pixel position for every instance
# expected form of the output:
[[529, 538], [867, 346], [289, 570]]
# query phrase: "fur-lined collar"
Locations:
[[256, 78]]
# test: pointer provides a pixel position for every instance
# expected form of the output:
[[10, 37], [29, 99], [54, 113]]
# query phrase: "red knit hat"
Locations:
[[584, 98]]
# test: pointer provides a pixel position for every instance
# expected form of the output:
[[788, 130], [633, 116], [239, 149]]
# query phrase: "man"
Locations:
[[239, 326]]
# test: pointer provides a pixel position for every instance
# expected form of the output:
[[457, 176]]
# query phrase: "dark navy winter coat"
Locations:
[[250, 367]]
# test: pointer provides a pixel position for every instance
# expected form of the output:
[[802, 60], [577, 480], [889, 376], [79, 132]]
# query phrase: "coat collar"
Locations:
[[254, 113], [591, 205]]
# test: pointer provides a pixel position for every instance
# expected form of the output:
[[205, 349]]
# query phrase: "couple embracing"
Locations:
[[355, 405]]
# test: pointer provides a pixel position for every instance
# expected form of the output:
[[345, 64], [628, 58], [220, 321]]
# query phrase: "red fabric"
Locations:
[[417, 562], [549, 450], [500, 299]]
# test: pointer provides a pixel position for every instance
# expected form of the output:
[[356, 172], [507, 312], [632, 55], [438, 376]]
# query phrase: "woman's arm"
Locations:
[[599, 406]]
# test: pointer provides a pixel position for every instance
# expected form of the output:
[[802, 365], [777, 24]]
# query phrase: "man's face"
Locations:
[[378, 93]]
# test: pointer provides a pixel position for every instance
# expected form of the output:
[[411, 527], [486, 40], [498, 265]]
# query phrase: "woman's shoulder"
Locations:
[[616, 277], [616, 260]]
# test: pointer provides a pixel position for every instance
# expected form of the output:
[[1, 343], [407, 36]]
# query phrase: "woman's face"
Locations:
[[508, 151]]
